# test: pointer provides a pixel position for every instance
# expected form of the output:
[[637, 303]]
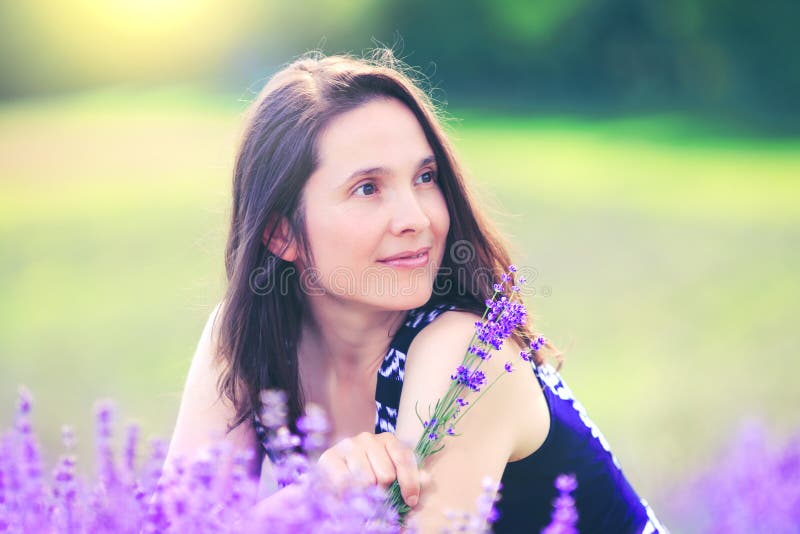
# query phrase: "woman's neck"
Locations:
[[344, 342]]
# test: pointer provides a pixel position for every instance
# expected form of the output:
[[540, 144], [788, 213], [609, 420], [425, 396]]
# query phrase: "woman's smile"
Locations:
[[408, 260]]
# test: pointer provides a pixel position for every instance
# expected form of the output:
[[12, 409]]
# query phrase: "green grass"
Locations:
[[668, 247]]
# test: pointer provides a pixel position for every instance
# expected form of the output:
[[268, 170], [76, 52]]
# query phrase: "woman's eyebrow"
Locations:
[[383, 170]]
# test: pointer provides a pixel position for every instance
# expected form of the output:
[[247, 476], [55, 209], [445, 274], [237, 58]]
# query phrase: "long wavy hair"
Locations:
[[263, 307]]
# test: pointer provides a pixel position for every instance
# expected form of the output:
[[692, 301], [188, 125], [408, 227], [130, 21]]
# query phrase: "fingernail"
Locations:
[[412, 501]]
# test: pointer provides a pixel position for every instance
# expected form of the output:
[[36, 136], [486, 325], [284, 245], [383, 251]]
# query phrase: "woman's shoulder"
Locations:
[[439, 349], [204, 414]]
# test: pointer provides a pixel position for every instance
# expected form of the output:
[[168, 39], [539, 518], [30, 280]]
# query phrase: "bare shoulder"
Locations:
[[439, 348], [204, 415], [517, 397], [449, 336]]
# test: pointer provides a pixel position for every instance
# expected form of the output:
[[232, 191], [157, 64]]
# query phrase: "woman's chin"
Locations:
[[401, 300]]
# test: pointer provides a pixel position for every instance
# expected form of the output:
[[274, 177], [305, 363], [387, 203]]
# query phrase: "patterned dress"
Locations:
[[605, 500]]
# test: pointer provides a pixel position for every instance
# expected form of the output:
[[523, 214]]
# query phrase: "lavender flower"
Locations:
[[565, 517], [479, 352], [104, 415], [471, 379], [26, 481], [315, 427], [503, 319], [131, 443], [65, 486], [273, 408]]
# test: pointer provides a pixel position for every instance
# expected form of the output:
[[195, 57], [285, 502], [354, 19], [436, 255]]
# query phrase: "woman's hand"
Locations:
[[374, 459]]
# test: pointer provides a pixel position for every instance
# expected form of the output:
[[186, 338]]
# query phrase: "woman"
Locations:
[[349, 287]]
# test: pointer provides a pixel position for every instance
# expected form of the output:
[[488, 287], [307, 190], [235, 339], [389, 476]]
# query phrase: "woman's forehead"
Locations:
[[382, 133]]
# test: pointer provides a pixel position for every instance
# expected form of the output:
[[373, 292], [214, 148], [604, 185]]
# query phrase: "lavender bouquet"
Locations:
[[500, 318]]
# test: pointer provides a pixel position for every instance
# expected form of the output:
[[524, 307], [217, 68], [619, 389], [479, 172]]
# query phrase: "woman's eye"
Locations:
[[368, 188], [431, 176]]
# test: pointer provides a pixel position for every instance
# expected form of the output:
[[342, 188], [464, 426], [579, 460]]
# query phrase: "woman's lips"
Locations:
[[408, 263]]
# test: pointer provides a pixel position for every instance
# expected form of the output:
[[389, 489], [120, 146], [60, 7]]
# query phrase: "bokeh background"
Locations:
[[642, 155]]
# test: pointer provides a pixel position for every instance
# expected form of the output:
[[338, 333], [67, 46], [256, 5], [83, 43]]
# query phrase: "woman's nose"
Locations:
[[408, 213]]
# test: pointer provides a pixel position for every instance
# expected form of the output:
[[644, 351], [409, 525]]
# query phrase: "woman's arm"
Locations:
[[204, 415], [509, 419]]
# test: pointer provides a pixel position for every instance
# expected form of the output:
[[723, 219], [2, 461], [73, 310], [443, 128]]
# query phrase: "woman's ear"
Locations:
[[282, 243]]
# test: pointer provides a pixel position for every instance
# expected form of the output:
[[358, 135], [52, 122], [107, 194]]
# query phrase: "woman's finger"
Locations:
[[407, 470], [334, 467], [381, 463], [359, 466]]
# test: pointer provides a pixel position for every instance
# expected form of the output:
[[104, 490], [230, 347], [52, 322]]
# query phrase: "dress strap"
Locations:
[[392, 372]]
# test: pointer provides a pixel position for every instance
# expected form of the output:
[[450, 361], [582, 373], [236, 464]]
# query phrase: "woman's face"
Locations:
[[375, 195]]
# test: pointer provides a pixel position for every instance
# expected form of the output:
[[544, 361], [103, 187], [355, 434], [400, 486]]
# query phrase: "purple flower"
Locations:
[[508, 367], [512, 268], [315, 427], [25, 402], [476, 380], [501, 322], [104, 416], [566, 483], [479, 352], [273, 412], [431, 423], [131, 441], [473, 380], [31, 461], [564, 516]]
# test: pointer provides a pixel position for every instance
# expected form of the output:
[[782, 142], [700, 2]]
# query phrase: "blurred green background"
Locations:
[[643, 156]]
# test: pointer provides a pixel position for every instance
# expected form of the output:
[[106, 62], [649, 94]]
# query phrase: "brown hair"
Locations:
[[259, 330]]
